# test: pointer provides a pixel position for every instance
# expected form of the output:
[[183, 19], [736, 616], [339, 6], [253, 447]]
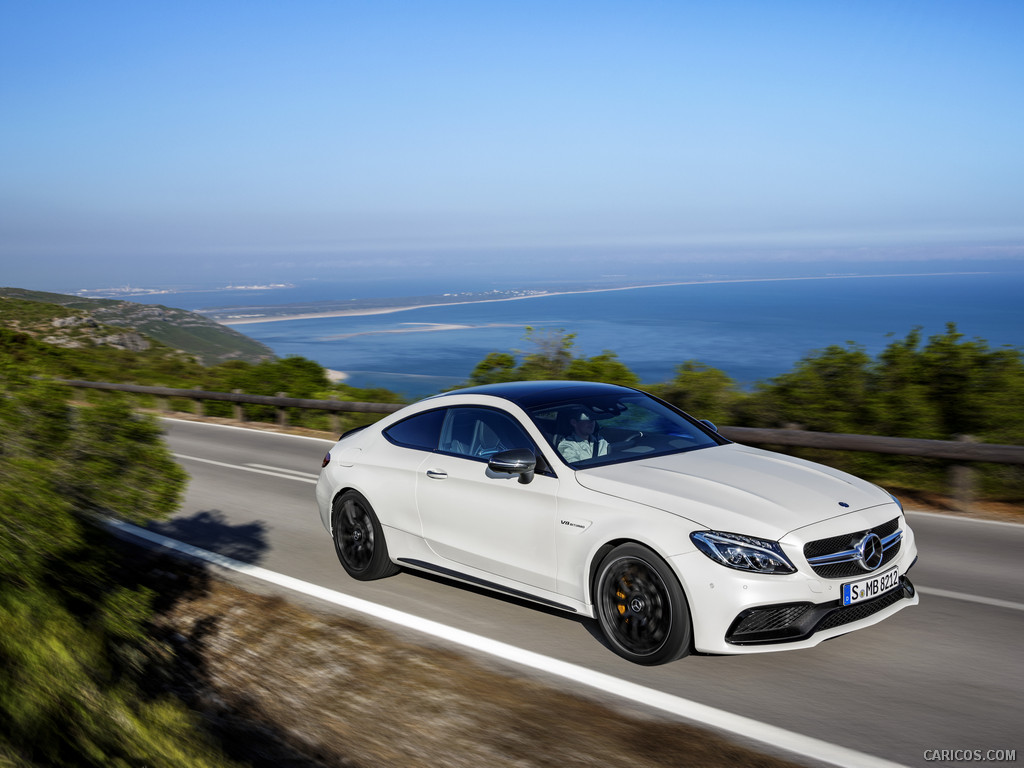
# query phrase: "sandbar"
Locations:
[[249, 320], [423, 328]]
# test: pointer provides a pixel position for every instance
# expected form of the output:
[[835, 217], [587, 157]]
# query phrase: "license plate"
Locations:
[[865, 589]]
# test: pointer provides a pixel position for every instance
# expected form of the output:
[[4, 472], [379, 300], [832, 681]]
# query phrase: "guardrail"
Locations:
[[280, 402], [960, 451], [964, 449]]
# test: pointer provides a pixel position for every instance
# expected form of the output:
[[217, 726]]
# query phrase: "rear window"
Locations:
[[421, 431]]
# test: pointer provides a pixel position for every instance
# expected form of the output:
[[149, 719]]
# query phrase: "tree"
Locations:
[[497, 367], [551, 357], [975, 390], [829, 391], [905, 407], [702, 391], [605, 367]]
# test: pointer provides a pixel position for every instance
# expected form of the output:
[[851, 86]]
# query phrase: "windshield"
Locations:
[[608, 429]]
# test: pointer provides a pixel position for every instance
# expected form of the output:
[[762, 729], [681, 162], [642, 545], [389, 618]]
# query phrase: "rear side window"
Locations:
[[421, 431]]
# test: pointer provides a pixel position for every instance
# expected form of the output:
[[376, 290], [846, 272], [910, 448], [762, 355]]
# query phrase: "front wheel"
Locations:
[[359, 538], [641, 608]]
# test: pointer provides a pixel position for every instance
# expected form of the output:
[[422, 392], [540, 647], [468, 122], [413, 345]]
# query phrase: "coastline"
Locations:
[[391, 310]]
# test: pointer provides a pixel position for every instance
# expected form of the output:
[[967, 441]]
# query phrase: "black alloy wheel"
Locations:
[[359, 538], [641, 607]]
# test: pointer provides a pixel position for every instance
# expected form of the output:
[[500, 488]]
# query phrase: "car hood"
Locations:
[[737, 488]]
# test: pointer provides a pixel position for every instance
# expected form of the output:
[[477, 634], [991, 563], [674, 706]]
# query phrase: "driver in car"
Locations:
[[582, 443]]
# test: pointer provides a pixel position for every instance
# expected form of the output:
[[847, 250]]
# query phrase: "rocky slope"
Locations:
[[72, 321]]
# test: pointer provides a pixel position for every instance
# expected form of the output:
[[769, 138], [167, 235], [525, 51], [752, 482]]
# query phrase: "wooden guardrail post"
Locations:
[[335, 418], [236, 408], [962, 480], [282, 413]]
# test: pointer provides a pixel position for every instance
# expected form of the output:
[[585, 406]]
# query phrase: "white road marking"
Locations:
[[296, 472], [251, 430], [971, 598], [958, 519], [245, 468], [744, 727]]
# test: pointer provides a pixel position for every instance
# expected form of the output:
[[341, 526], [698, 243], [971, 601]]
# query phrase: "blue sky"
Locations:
[[187, 141]]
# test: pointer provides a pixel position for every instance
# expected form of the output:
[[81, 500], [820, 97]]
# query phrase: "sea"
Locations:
[[752, 329]]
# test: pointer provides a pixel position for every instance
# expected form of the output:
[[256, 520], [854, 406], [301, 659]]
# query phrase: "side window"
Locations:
[[420, 431], [479, 433]]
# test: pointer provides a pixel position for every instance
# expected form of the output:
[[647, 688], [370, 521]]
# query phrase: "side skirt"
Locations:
[[449, 573]]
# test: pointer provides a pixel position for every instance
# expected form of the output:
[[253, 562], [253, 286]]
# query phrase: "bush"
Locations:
[[69, 688]]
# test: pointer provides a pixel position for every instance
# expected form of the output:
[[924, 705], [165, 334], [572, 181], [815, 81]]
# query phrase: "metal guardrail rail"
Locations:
[[237, 397], [950, 450]]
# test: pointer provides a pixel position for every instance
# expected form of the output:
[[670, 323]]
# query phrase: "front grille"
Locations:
[[790, 622], [770, 619], [846, 542], [858, 611]]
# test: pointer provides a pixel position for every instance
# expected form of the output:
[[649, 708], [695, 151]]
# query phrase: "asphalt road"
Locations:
[[944, 675]]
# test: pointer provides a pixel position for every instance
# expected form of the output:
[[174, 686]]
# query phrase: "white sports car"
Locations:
[[607, 502]]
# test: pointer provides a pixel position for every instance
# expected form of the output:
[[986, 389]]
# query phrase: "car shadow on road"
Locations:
[[209, 529]]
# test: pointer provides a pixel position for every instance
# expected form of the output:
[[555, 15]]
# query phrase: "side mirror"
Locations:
[[518, 461], [708, 424]]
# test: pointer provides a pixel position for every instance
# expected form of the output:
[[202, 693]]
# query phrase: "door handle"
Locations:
[[437, 474]]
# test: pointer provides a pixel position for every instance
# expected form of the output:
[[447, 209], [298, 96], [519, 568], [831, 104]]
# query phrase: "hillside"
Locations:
[[72, 321]]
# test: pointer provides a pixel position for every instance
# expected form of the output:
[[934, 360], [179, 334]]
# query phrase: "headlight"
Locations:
[[744, 553]]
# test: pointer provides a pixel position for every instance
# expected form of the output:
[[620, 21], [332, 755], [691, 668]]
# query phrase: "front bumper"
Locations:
[[799, 621], [737, 613]]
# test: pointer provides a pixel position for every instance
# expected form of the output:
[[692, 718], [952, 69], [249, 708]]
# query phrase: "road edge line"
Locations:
[[978, 599], [254, 430], [737, 725]]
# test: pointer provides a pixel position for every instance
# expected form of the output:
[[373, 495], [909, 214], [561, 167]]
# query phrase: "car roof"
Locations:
[[527, 394]]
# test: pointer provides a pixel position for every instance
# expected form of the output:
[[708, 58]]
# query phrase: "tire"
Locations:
[[359, 538], [641, 608]]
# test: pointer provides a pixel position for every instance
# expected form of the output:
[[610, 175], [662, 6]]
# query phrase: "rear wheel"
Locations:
[[359, 538], [641, 607]]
